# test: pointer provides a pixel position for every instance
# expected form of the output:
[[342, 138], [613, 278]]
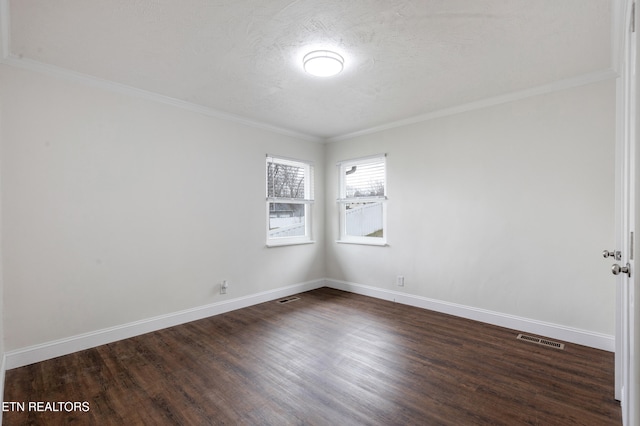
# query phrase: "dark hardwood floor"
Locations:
[[329, 358]]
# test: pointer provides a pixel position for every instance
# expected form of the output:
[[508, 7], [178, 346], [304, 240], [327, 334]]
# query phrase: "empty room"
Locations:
[[318, 212]]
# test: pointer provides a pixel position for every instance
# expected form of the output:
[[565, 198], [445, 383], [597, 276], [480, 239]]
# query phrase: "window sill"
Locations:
[[363, 243], [289, 243]]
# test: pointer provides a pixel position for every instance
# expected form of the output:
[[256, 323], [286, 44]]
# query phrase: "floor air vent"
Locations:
[[539, 341], [288, 300]]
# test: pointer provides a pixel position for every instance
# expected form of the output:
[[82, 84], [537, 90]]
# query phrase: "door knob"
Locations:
[[617, 255], [617, 269]]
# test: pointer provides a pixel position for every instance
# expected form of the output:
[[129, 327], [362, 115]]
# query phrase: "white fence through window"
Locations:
[[363, 219], [286, 227]]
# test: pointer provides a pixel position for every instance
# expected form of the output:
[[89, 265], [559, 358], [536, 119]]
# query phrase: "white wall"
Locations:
[[117, 209], [505, 208]]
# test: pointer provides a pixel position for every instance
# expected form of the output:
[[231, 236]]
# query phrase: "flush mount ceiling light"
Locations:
[[323, 63]]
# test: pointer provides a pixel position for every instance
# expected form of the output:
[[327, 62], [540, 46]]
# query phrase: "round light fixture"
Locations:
[[323, 63]]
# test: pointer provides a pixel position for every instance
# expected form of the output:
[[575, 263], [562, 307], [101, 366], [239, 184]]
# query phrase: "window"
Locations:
[[363, 200], [289, 199]]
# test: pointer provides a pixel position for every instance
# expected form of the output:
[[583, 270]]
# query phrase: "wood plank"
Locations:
[[330, 358]]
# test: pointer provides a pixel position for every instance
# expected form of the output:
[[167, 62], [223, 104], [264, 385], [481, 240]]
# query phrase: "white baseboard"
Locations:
[[25, 356], [545, 329]]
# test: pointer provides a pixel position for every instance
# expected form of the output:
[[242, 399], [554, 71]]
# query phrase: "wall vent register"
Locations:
[[288, 300], [539, 341]]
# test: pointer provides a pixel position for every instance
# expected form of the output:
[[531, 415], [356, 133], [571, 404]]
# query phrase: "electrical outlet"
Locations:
[[223, 287], [400, 280]]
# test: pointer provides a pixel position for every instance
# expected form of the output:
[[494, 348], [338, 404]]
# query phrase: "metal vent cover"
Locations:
[[540, 341], [288, 300]]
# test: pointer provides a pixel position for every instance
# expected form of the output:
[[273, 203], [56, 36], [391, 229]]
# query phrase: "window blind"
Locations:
[[363, 179], [289, 180]]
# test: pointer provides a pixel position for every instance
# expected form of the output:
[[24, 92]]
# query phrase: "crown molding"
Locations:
[[9, 59], [67, 74], [581, 80], [40, 67]]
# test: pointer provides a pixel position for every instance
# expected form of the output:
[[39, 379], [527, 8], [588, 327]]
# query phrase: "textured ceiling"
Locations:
[[244, 57]]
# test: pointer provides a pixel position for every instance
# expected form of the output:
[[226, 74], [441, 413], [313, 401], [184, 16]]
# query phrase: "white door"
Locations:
[[624, 268]]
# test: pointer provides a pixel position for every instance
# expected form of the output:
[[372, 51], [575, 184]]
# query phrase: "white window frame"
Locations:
[[343, 200], [307, 201]]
